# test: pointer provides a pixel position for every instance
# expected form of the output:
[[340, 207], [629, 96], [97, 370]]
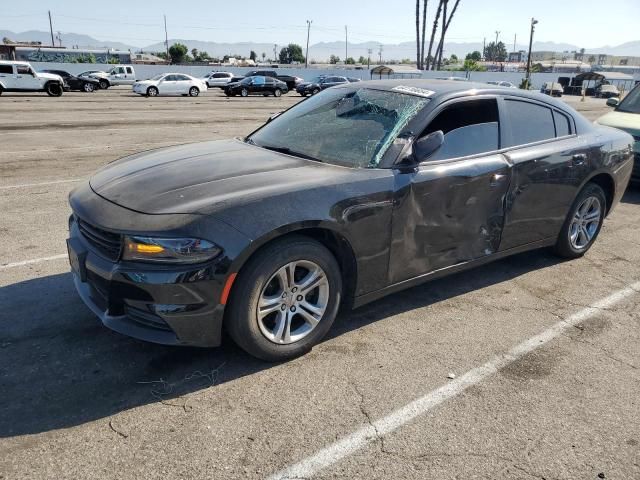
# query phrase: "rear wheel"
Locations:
[[88, 87], [277, 92], [244, 92], [53, 89], [104, 84], [152, 92], [583, 223], [194, 92], [315, 90], [285, 299]]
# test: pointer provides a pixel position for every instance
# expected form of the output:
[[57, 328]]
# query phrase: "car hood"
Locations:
[[207, 177], [629, 122], [50, 76]]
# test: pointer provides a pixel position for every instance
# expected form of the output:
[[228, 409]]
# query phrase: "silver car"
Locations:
[[218, 79]]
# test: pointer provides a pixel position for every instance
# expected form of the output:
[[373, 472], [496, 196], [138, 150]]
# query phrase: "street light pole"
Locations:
[[527, 82], [306, 57]]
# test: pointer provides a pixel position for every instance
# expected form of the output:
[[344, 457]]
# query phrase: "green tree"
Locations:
[[470, 65], [291, 53], [362, 60], [453, 58], [264, 55], [253, 56], [194, 54], [476, 56], [178, 52], [333, 59], [495, 52], [350, 61]]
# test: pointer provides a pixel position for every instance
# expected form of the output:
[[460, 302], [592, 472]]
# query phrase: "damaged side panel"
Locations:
[[447, 213]]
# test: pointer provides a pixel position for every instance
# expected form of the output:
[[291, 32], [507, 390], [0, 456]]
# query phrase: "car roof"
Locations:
[[444, 89]]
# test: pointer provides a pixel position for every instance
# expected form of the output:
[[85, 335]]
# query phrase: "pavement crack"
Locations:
[[606, 352], [112, 427]]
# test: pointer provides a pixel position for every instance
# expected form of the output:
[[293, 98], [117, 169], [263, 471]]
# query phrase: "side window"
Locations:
[[563, 124], [259, 81], [129, 70], [169, 78], [470, 127], [6, 69], [24, 70], [181, 78], [529, 122], [219, 75]]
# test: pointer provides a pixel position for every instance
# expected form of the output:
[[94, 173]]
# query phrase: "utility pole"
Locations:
[[166, 39], [515, 37], [306, 57], [369, 51], [527, 82], [497, 33], [275, 52], [346, 43], [59, 37], [53, 44], [380, 54], [484, 48]]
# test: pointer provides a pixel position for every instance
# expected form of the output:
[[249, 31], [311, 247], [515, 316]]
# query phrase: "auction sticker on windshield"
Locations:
[[423, 92]]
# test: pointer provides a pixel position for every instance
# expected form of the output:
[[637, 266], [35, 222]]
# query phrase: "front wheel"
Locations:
[[152, 92], [53, 89], [583, 223], [315, 90], [244, 92], [277, 92], [194, 92], [285, 299], [104, 84]]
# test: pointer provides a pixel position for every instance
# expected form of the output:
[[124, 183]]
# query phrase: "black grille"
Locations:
[[106, 243]]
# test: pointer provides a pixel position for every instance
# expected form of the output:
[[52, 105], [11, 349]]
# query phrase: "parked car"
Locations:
[[319, 84], [256, 85], [607, 91], [626, 116], [356, 193], [71, 82], [454, 79], [21, 77], [118, 75], [170, 84], [290, 80], [552, 88], [353, 80], [218, 79], [502, 83]]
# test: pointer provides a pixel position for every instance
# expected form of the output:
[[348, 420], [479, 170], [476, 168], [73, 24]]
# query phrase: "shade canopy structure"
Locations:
[[604, 76], [395, 72], [589, 81]]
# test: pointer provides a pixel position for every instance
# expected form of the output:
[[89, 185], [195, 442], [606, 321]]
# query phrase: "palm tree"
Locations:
[[433, 32], [424, 28], [418, 53], [444, 32]]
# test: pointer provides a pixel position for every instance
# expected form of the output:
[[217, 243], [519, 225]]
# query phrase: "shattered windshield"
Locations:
[[630, 103], [344, 126]]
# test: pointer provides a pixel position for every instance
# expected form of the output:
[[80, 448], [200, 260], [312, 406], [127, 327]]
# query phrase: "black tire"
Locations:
[[152, 92], [277, 92], [53, 89], [315, 90], [88, 87], [303, 94], [1, 90], [241, 320], [194, 91], [564, 247], [244, 92], [104, 84]]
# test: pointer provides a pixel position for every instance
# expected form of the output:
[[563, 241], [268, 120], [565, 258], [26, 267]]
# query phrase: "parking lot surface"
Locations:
[[494, 398]]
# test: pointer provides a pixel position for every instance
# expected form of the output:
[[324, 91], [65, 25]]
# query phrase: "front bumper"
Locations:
[[171, 305]]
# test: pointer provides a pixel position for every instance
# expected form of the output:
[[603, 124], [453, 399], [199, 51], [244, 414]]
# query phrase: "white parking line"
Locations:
[[7, 266], [351, 443], [52, 182]]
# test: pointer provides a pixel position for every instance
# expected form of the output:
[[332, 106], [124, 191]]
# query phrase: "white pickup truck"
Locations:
[[118, 75], [21, 77]]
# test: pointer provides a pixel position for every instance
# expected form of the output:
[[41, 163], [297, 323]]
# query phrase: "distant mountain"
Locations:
[[68, 40], [319, 51]]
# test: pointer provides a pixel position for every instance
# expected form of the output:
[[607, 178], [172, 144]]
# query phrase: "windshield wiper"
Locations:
[[288, 151]]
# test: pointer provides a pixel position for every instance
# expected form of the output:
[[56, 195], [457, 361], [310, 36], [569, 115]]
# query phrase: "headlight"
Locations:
[[169, 250]]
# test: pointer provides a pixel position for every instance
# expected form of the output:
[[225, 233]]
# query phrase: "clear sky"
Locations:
[[586, 23]]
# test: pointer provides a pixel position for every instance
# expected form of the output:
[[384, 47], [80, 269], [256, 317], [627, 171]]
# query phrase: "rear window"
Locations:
[[563, 124], [6, 69], [529, 122]]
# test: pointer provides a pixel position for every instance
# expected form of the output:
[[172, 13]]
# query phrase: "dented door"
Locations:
[[447, 213]]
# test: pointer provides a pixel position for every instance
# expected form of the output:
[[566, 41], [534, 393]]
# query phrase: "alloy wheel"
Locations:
[[293, 302], [585, 223]]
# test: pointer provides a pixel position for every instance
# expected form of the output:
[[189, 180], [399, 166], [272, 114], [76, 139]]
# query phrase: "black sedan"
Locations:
[[256, 85], [71, 82], [319, 84], [351, 195]]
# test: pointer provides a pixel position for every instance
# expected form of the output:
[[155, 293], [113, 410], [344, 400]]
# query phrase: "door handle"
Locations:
[[579, 159], [496, 179]]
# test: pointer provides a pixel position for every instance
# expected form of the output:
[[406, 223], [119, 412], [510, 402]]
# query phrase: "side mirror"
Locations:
[[613, 101], [426, 146]]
